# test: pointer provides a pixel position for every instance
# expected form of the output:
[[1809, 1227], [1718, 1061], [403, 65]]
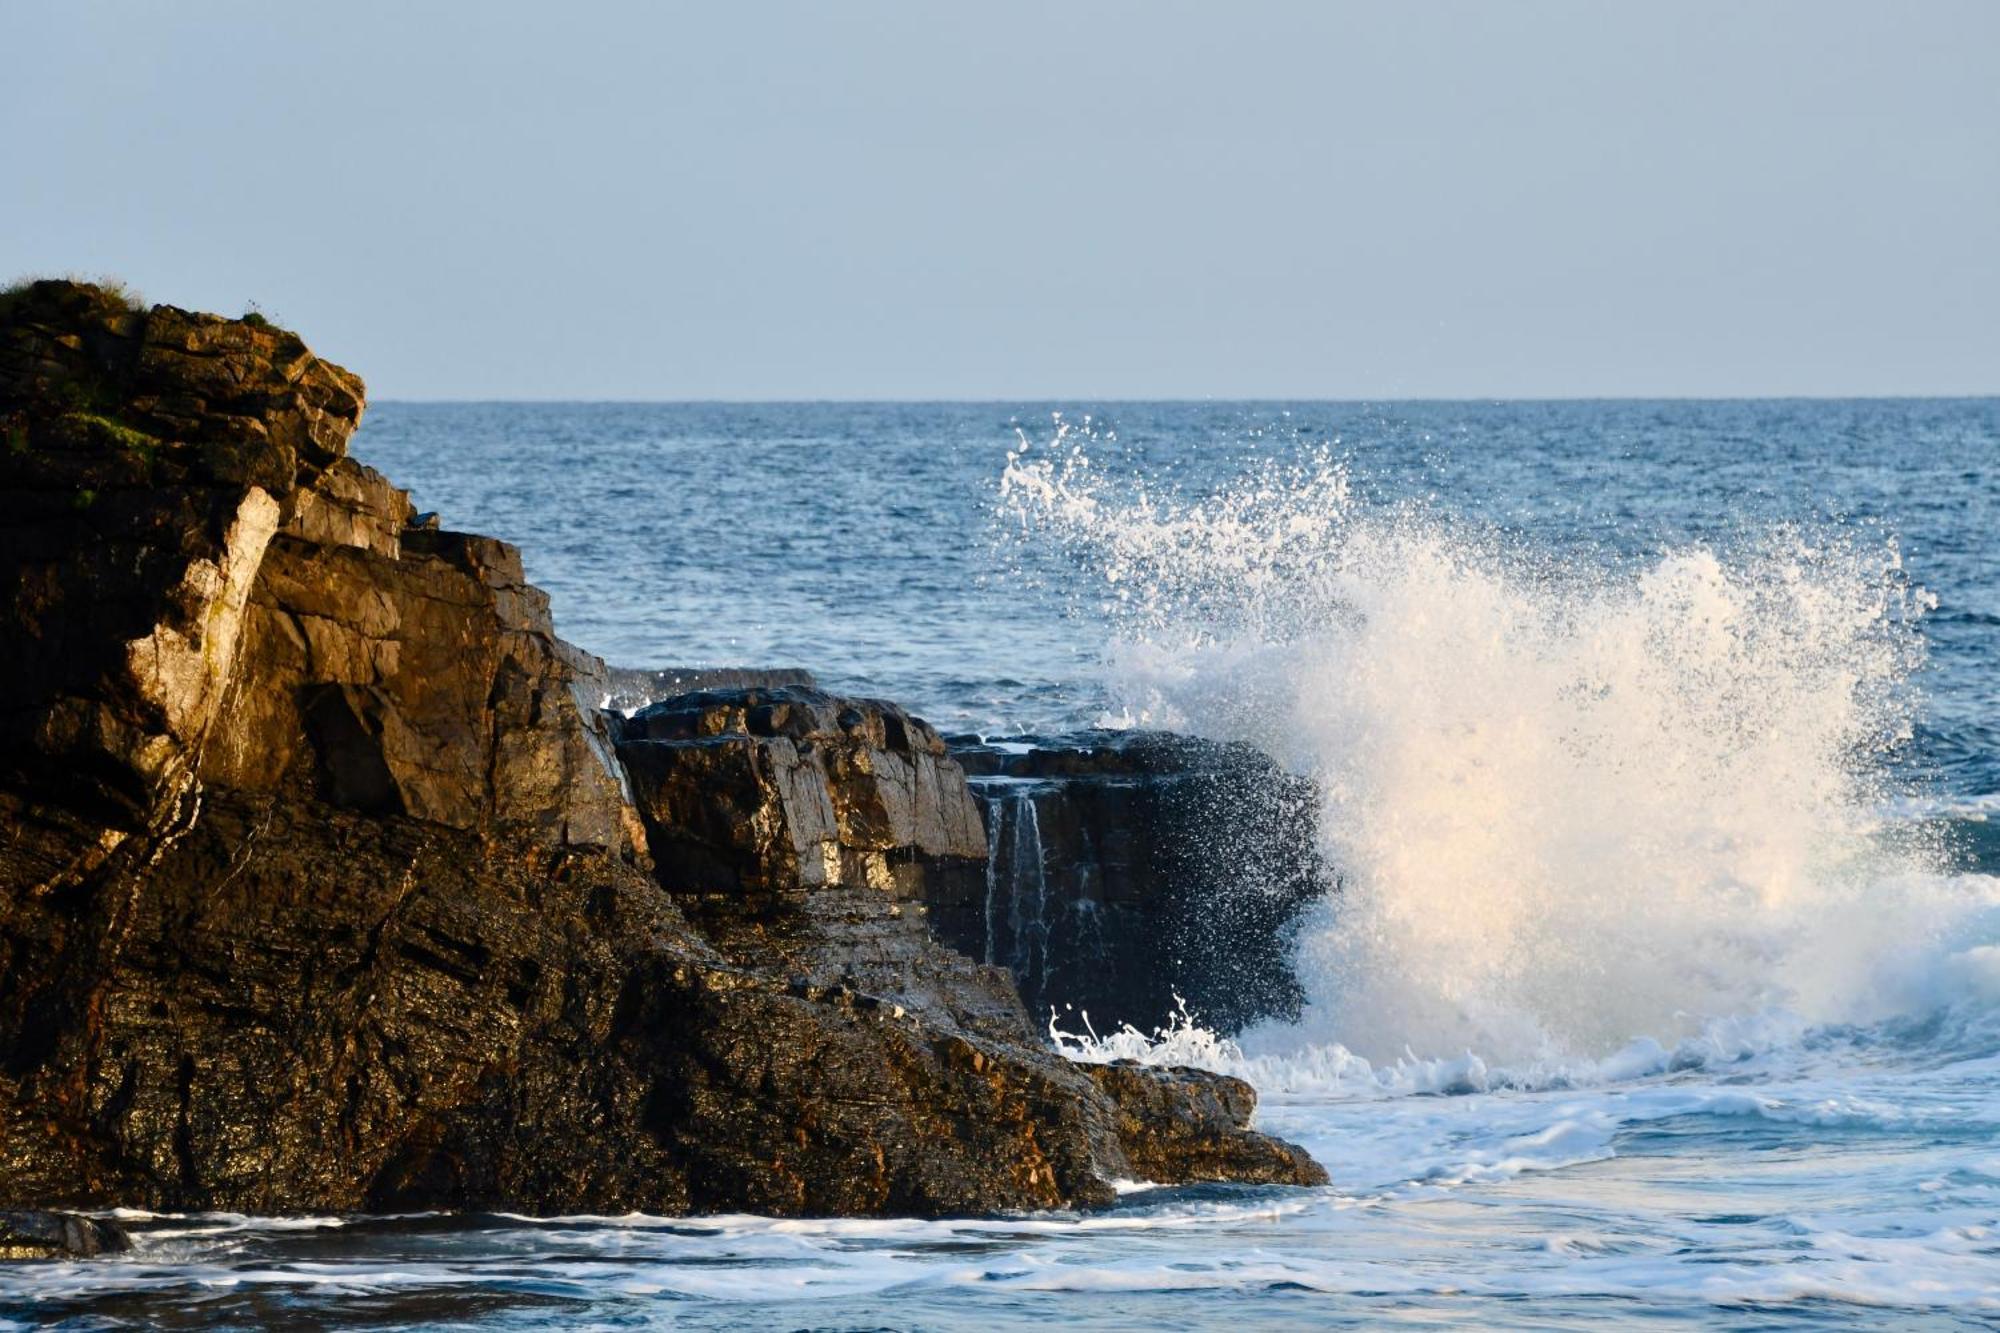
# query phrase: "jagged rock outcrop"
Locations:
[[1188, 1125], [1129, 871], [802, 833], [149, 459], [789, 790], [324, 886]]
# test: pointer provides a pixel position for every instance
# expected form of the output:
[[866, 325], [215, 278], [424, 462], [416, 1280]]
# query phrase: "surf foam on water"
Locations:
[[1594, 817]]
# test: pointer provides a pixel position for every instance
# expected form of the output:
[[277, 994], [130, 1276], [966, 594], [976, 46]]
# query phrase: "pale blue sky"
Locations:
[[741, 200]]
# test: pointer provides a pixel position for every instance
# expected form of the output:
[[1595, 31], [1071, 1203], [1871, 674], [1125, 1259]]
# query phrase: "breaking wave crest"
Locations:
[[1594, 814]]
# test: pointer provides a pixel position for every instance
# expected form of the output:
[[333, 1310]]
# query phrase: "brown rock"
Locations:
[[818, 791], [1194, 1125]]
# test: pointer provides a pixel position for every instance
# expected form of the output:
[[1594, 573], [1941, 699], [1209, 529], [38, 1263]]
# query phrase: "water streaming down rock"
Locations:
[[1017, 883], [1044, 908]]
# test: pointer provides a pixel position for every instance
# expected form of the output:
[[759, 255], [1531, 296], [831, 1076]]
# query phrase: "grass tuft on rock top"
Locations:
[[258, 318], [113, 290]]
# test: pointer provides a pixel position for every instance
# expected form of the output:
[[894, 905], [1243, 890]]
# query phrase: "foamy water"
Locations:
[[1661, 985]]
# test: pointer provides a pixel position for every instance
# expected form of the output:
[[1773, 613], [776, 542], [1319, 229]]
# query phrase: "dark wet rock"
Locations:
[[325, 886], [1131, 870], [1194, 1125], [44, 1235]]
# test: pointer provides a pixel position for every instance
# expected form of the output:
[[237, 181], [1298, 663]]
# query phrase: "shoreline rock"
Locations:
[[30, 1234], [324, 884]]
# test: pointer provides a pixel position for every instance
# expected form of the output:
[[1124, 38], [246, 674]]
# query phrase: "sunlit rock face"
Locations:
[[828, 792]]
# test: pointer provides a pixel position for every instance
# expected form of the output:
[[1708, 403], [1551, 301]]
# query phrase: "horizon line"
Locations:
[[1443, 399]]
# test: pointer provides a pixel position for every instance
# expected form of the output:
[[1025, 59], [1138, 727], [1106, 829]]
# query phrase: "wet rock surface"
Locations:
[[45, 1235], [1129, 871], [325, 886], [1192, 1126]]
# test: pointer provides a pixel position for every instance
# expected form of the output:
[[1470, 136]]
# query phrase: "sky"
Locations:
[[1148, 199]]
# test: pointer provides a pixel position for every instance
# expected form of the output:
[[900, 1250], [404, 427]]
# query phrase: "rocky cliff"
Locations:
[[323, 884]]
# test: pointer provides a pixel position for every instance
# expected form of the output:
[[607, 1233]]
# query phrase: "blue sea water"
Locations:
[[860, 541], [1661, 741]]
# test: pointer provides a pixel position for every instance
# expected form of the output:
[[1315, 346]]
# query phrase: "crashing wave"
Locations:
[[1575, 799]]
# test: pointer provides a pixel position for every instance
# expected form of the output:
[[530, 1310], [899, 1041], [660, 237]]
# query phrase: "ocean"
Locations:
[[1660, 751]]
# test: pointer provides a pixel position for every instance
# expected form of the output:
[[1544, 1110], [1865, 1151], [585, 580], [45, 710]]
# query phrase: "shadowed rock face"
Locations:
[[324, 886], [1130, 871]]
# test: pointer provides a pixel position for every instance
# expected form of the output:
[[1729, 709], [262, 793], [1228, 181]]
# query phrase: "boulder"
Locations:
[[816, 791]]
